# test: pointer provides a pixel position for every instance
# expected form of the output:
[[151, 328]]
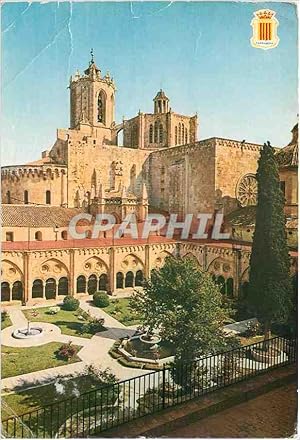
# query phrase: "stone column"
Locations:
[[204, 257], [72, 273], [147, 261], [26, 287], [112, 276], [237, 272]]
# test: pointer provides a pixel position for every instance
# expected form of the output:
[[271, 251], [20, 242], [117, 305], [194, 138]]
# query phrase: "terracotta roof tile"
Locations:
[[37, 216]]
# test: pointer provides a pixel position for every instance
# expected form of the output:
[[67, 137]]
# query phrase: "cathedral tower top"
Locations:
[[92, 97], [161, 102]]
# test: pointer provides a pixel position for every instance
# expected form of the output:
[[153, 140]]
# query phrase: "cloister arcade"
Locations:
[[53, 277]]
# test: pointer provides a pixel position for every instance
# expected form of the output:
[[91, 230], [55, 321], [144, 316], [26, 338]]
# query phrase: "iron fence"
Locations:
[[96, 411]]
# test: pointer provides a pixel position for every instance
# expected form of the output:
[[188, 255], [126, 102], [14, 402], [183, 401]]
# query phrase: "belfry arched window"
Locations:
[[151, 134], [101, 107], [179, 134], [176, 135], [182, 133]]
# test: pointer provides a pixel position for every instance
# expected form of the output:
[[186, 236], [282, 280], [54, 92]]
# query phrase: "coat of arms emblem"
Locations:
[[264, 26]]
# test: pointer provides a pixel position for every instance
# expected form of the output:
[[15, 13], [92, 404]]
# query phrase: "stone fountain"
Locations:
[[28, 332]]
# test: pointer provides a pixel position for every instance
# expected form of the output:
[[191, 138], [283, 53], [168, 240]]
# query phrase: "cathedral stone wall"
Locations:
[[185, 178], [91, 164], [234, 161], [37, 184]]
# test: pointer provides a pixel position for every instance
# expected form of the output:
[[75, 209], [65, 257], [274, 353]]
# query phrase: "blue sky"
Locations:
[[199, 53]]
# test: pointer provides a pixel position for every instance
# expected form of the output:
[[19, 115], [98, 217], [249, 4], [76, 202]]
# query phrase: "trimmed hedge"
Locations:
[[101, 299], [70, 303]]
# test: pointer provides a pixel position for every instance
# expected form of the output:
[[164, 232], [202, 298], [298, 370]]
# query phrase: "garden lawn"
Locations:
[[27, 400], [67, 320], [6, 323], [120, 310], [16, 360], [51, 422]]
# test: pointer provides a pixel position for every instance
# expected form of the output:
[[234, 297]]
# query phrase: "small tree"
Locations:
[[185, 304], [270, 290]]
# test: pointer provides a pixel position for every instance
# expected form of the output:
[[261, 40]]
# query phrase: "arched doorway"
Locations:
[[221, 283], [103, 282], [120, 280], [229, 287], [50, 289], [37, 289], [129, 279], [63, 286], [5, 291], [17, 291], [139, 277], [81, 284], [92, 284]]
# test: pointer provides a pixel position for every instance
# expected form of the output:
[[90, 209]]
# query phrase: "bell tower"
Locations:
[[92, 98], [161, 102]]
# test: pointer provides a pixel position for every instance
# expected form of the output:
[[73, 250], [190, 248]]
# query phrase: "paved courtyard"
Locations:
[[272, 415], [93, 351]]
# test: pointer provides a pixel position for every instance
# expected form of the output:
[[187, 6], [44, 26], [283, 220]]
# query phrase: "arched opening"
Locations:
[[156, 132], [151, 134], [139, 278], [48, 197], [64, 235], [5, 291], [101, 107], [129, 279], [176, 135], [17, 291], [37, 289], [92, 284], [81, 284], [186, 136], [38, 236], [8, 197], [221, 283], [63, 286], [182, 133], [161, 131], [120, 280], [103, 282], [229, 287], [26, 199], [50, 289]]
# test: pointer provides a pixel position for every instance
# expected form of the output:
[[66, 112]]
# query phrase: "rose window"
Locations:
[[247, 191]]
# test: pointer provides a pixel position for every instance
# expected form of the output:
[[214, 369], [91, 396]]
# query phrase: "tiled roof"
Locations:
[[246, 217], [242, 216], [288, 156], [37, 216]]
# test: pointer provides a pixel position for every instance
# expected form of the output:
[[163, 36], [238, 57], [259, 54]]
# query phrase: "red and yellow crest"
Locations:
[[264, 26]]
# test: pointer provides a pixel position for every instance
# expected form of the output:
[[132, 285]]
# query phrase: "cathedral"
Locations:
[[161, 166]]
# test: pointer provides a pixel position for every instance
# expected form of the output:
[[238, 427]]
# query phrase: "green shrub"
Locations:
[[4, 315], [93, 326], [67, 351], [101, 299], [70, 303]]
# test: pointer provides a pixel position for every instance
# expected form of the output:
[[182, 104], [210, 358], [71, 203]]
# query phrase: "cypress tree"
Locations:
[[270, 289]]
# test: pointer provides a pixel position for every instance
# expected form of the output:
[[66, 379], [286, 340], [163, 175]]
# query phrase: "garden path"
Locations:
[[94, 350]]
